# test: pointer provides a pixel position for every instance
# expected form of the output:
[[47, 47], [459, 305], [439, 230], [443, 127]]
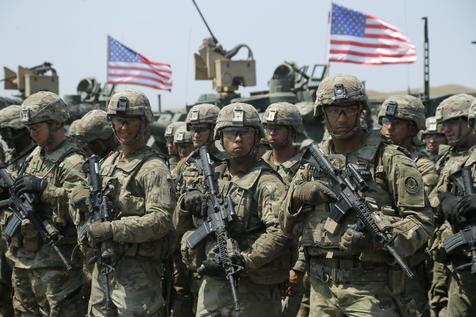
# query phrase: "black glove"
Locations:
[[449, 203], [210, 268], [238, 261], [194, 201], [29, 184], [466, 205]]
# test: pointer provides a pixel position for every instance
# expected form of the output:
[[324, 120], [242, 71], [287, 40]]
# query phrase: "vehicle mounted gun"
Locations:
[[347, 184], [219, 215], [23, 208]]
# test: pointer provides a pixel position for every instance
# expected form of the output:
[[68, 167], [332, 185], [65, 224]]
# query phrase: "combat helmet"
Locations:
[[403, 107], [238, 115], [10, 117], [432, 126], [94, 125], [204, 113], [130, 103], [182, 135], [453, 107], [339, 89], [283, 113], [43, 106], [73, 129], [171, 128]]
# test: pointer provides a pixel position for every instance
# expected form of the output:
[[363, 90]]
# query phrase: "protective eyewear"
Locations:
[[231, 133], [199, 129], [121, 121], [335, 111]]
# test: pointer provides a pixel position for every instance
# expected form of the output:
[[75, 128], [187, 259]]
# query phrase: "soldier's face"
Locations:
[[126, 128], [39, 132], [455, 130], [200, 134], [278, 136], [433, 142], [342, 119], [239, 141], [397, 130]]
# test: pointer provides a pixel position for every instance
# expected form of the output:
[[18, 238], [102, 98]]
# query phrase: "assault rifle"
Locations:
[[100, 210], [219, 214], [348, 182], [22, 207], [467, 236]]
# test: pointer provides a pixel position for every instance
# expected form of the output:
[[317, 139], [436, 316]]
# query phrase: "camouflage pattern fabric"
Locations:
[[360, 282]]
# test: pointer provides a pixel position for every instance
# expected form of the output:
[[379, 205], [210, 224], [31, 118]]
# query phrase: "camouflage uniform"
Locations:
[[359, 281], [462, 285], [141, 229], [42, 286], [283, 113], [188, 176], [256, 194]]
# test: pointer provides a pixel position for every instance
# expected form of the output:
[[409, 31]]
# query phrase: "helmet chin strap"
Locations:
[[136, 139], [50, 138], [462, 137]]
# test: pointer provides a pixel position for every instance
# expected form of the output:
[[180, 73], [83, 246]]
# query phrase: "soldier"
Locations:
[[143, 199], [433, 138], [189, 183], [457, 117], [282, 123], [255, 191], [183, 142], [401, 118], [169, 143], [52, 172], [96, 134], [72, 133], [16, 135], [349, 272]]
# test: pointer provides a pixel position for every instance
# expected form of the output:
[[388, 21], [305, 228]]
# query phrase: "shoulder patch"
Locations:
[[411, 185]]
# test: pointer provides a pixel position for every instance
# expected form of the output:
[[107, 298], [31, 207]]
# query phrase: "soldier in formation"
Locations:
[[454, 202], [141, 192], [350, 272], [169, 143], [282, 123], [52, 174], [434, 138]]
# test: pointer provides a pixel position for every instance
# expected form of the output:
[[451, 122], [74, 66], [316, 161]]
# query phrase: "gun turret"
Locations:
[[213, 62], [33, 79]]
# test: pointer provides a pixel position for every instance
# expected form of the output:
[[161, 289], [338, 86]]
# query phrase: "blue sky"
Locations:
[[72, 35]]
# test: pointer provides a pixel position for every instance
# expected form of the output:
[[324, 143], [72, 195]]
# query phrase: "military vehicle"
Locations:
[[28, 80]]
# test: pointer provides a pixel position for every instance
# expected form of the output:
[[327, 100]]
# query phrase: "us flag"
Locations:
[[364, 39], [125, 66]]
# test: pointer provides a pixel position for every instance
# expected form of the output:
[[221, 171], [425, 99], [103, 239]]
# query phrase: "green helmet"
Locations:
[[43, 106], [404, 107], [10, 117], [204, 113], [238, 115], [432, 126], [283, 113], [454, 107], [182, 136], [339, 89], [94, 125], [172, 127], [130, 102]]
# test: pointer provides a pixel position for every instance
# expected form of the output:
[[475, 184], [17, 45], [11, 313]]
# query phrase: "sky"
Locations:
[[72, 34]]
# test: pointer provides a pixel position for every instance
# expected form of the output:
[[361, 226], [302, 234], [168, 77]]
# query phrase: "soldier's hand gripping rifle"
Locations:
[[22, 207], [467, 236], [348, 183], [219, 214], [100, 210]]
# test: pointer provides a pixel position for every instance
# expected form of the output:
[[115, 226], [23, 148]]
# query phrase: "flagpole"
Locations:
[[329, 25]]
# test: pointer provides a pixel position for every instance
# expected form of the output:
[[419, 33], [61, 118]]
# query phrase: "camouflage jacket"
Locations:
[[395, 192], [426, 167], [143, 198], [62, 168], [286, 170]]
